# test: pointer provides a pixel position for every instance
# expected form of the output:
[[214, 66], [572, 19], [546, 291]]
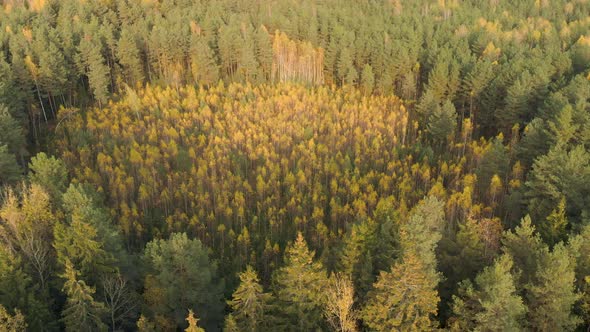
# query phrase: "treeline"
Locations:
[[496, 61]]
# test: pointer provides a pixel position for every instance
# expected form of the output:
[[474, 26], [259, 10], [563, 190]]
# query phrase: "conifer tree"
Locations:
[[203, 66], [551, 295], [403, 299], [249, 302], [367, 79], [180, 275], [526, 248], [553, 230], [298, 286], [442, 122], [492, 303], [50, 173], [82, 312], [95, 68], [10, 172], [129, 57]]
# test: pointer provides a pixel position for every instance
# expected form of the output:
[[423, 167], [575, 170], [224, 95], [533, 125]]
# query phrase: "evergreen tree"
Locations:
[[248, 67], [95, 68], [551, 296], [249, 302], [11, 134], [492, 304], [129, 57], [441, 123], [345, 66], [203, 66], [81, 312], [560, 173], [298, 286], [553, 230], [367, 80], [403, 299], [180, 275], [525, 247], [50, 173], [10, 172], [263, 46]]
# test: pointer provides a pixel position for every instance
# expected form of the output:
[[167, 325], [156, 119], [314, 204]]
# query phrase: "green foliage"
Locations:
[[81, 312], [560, 173], [551, 296], [204, 69], [84, 240], [526, 248], [10, 172], [492, 303], [367, 79], [179, 276], [441, 123], [403, 299], [249, 302], [50, 173], [298, 287]]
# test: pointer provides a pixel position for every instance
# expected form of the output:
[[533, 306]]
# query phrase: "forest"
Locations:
[[294, 165]]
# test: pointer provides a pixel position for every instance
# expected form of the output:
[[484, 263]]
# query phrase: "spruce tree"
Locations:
[[81, 312], [249, 302], [298, 286]]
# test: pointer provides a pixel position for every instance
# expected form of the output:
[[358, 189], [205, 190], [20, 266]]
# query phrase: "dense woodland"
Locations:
[[294, 165]]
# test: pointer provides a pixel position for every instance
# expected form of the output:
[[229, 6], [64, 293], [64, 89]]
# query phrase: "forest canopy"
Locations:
[[334, 165]]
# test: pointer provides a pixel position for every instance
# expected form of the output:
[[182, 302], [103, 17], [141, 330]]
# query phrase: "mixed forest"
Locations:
[[294, 165]]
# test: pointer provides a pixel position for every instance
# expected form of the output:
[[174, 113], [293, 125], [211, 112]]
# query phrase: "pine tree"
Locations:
[[11, 134], [525, 247], [492, 304], [560, 173], [298, 286], [50, 173], [10, 172], [263, 45], [344, 66], [81, 312], [203, 66], [404, 299], [249, 302], [553, 230], [552, 295], [248, 67], [95, 68], [441, 123], [367, 80], [129, 57], [180, 275]]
